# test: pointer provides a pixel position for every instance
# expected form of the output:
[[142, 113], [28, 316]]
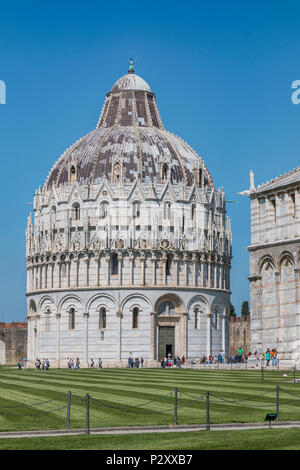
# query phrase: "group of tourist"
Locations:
[[167, 362], [71, 364], [216, 359], [135, 363], [92, 363], [42, 365], [271, 355]]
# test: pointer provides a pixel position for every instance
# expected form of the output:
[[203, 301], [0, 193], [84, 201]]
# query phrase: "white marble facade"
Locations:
[[129, 237], [274, 267]]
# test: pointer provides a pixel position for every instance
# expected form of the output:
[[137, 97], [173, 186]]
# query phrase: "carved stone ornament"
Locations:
[[142, 244], [164, 244], [96, 244], [59, 243], [77, 242], [44, 244], [119, 244]]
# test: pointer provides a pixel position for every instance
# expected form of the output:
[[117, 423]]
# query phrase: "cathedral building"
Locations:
[[129, 251], [275, 266]]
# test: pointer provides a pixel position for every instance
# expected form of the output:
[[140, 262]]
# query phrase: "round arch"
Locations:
[[175, 299]]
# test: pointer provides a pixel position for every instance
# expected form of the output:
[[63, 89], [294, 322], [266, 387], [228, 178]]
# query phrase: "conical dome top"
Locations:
[[129, 134]]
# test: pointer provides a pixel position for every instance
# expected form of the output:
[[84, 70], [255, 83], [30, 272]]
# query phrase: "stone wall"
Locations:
[[240, 335], [13, 342]]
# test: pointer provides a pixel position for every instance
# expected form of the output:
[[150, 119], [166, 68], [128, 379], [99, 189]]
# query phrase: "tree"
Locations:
[[232, 311], [245, 309]]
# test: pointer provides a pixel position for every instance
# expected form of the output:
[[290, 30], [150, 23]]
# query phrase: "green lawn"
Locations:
[[235, 396], [267, 439]]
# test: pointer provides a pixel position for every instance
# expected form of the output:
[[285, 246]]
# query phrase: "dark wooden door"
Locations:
[[166, 341]]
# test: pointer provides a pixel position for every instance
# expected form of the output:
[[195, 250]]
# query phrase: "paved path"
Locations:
[[149, 429]]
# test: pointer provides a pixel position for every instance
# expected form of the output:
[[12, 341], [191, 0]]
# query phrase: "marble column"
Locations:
[[68, 273], [98, 271], [120, 268], [46, 275], [224, 333], [153, 338], [153, 259], [208, 273], [119, 343], [208, 334], [143, 262], [87, 267], [86, 349], [77, 272], [58, 317], [183, 333], [131, 258], [277, 312], [38, 319], [202, 271], [195, 270], [52, 275]]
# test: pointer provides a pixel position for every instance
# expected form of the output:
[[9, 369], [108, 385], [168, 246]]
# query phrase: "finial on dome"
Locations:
[[131, 69]]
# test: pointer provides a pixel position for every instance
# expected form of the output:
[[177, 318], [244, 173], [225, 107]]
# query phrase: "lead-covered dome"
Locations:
[[131, 81], [129, 142]]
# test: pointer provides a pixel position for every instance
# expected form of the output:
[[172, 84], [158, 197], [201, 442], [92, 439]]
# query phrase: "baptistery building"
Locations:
[[129, 248]]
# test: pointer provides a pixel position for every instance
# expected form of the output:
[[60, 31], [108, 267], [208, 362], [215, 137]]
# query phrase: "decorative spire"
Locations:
[[131, 69], [252, 185]]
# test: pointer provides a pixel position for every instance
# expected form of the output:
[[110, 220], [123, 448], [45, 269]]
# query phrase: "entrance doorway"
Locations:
[[166, 341]]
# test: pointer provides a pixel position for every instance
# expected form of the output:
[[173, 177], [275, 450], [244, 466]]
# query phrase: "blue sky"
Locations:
[[222, 74]]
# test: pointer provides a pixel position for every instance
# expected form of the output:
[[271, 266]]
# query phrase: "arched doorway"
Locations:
[[170, 327]]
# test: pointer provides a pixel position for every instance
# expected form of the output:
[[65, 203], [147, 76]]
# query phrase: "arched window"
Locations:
[[116, 176], [53, 215], [197, 318], [165, 173], [63, 269], [136, 206], [167, 210], [168, 265], [114, 264], [47, 319], [135, 317], [72, 319], [76, 211], [72, 175], [103, 210], [102, 318], [193, 211], [200, 177]]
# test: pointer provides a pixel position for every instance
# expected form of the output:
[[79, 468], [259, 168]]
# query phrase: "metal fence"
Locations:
[[170, 402]]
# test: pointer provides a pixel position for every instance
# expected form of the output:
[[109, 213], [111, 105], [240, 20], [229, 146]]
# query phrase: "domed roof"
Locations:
[[129, 135]]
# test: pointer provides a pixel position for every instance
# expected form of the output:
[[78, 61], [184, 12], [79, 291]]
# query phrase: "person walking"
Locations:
[[142, 362], [77, 364], [268, 356], [100, 363], [240, 354], [92, 363], [275, 358], [20, 365]]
